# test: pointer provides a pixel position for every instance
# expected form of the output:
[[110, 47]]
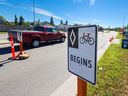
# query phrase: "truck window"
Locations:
[[54, 30], [48, 30], [39, 29]]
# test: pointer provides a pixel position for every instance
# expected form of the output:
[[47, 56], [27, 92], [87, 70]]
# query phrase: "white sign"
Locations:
[[82, 52], [19, 36]]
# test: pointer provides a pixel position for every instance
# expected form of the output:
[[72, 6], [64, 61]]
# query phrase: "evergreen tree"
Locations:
[[66, 22], [61, 22], [21, 20], [2, 20], [38, 23], [27, 24], [51, 21], [16, 21], [127, 26]]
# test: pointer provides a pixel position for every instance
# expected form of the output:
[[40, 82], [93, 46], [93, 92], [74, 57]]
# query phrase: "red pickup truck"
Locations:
[[39, 34]]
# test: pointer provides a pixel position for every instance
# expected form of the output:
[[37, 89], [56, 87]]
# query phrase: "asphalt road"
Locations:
[[39, 75]]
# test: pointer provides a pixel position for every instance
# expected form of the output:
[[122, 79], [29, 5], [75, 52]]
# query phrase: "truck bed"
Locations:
[[13, 33]]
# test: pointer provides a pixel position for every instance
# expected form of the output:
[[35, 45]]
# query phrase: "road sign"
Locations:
[[19, 36], [82, 52], [125, 43]]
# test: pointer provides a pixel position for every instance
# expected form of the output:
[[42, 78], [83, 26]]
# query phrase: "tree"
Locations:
[[21, 20], [61, 22], [7, 23], [100, 28], [27, 24], [66, 22], [16, 21], [2, 20], [45, 23], [38, 23], [127, 26], [51, 21]]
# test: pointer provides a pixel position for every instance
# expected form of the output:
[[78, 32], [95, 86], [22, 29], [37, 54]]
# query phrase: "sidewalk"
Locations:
[[69, 87], [3, 41]]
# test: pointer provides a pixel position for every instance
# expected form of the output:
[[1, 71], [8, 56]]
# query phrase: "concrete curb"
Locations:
[[68, 88], [2, 42]]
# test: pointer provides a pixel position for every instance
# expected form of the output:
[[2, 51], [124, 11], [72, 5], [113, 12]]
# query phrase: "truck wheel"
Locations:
[[35, 43], [62, 39]]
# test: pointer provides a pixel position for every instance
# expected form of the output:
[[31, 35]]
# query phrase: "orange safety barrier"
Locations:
[[22, 54], [12, 47]]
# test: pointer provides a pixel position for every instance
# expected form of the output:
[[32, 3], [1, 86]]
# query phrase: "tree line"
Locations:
[[20, 21]]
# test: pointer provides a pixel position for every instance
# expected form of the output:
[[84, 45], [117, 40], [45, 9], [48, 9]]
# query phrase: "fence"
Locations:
[[7, 28]]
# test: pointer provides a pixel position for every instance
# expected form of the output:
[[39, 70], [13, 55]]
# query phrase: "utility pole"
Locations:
[[34, 12]]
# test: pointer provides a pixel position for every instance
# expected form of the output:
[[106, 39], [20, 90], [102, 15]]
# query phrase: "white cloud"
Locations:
[[78, 22], [47, 13], [37, 10], [75, 19], [11, 5], [77, 0], [3, 2], [96, 21], [92, 2]]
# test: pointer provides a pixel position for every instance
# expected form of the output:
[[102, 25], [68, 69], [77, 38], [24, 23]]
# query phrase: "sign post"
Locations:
[[20, 39], [19, 36], [82, 55], [81, 87]]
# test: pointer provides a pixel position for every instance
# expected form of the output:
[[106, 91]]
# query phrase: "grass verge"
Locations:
[[3, 32], [119, 36], [112, 80]]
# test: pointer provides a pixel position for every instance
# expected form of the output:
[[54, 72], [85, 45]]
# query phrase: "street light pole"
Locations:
[[34, 12]]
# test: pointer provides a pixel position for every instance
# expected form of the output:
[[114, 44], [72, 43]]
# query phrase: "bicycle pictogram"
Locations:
[[87, 39]]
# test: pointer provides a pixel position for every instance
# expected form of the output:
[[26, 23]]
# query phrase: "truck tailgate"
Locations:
[[13, 33]]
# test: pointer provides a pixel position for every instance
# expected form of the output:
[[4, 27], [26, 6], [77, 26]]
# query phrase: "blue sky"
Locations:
[[102, 12]]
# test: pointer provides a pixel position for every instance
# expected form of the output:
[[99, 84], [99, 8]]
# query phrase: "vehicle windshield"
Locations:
[[55, 30], [51, 30], [38, 29]]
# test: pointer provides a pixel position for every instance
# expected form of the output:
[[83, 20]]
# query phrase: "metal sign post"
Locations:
[[82, 55], [20, 39], [19, 36]]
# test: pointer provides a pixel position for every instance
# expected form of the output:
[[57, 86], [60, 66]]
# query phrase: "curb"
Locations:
[[72, 89], [4, 43]]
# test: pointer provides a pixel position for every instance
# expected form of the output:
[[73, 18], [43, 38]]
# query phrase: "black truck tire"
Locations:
[[35, 43], [62, 39]]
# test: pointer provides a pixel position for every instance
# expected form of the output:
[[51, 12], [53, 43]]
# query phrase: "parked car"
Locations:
[[39, 34]]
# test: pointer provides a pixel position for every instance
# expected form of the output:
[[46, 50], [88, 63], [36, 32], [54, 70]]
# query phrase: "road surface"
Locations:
[[39, 75]]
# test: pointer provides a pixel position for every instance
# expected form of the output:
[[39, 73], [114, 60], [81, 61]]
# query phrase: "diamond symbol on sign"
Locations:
[[72, 37]]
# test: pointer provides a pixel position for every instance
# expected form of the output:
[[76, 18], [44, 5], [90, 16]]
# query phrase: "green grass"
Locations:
[[119, 36], [3, 32], [111, 80]]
